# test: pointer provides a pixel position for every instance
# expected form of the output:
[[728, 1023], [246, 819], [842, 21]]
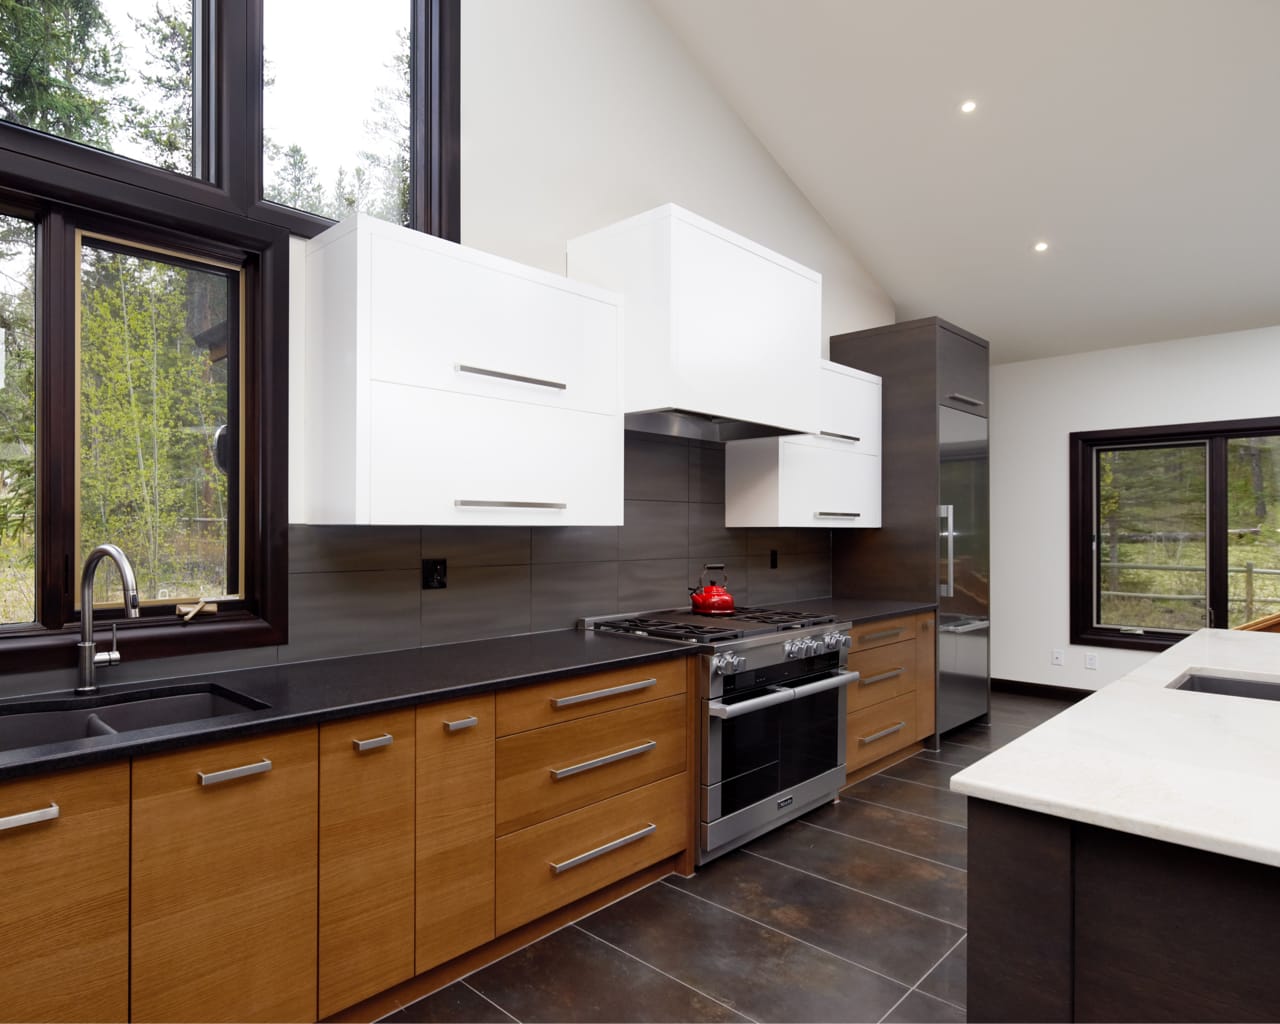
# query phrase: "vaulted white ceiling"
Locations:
[[1139, 138]]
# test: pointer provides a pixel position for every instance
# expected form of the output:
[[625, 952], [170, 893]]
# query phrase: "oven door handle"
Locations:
[[779, 695], [831, 683]]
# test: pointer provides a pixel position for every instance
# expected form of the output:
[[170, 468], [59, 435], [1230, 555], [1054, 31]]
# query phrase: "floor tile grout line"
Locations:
[[916, 986], [882, 846], [861, 892], [672, 977], [938, 760], [501, 1009], [927, 817], [888, 774], [794, 938]]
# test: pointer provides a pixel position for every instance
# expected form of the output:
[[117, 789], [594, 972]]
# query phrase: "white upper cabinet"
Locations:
[[443, 385], [715, 324], [850, 405], [831, 479]]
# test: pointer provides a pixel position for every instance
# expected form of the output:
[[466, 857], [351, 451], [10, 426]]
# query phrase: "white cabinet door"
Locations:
[[441, 457], [850, 406], [801, 480]]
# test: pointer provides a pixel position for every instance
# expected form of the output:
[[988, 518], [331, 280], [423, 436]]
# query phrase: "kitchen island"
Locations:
[[1124, 857]]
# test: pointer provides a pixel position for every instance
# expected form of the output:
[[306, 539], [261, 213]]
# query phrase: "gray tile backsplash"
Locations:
[[354, 590]]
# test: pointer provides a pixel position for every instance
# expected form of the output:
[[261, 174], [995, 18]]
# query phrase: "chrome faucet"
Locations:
[[89, 656]]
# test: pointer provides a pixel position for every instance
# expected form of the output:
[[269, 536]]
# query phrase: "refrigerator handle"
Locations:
[[947, 513]]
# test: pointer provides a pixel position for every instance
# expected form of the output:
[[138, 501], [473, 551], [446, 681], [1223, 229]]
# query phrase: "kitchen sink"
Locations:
[[1229, 686], [36, 722]]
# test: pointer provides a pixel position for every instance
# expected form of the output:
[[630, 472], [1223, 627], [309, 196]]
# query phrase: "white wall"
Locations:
[[577, 113], [1035, 405]]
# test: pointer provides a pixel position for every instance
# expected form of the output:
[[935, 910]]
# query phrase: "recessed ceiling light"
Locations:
[[968, 106], [1041, 246]]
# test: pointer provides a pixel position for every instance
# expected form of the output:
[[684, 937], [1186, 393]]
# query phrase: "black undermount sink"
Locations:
[[36, 722], [1229, 686]]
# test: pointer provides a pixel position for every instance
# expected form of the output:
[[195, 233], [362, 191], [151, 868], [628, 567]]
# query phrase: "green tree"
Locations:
[[163, 122], [298, 183]]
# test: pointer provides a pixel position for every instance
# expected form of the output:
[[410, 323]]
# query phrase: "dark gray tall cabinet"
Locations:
[[934, 545]]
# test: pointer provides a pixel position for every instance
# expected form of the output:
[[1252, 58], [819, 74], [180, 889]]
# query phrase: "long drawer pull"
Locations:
[[517, 377], [470, 503], [30, 817], [842, 437], [612, 691], [837, 515], [385, 740], [227, 774], [884, 634], [966, 399], [882, 733], [600, 762], [470, 722], [893, 673], [600, 851]]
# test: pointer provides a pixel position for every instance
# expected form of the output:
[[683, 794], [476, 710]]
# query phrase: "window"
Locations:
[[17, 421], [1173, 529]]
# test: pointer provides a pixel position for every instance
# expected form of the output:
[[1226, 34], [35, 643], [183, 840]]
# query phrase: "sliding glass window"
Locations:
[[1173, 529]]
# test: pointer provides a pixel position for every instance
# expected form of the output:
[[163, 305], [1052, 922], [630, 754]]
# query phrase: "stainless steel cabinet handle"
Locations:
[[966, 627], [966, 399], [837, 515], [948, 512], [600, 762], [830, 683], [30, 817], [882, 733], [517, 377], [719, 709], [470, 503], [462, 723], [843, 437], [226, 775], [384, 740], [883, 634], [893, 673], [612, 691], [600, 851]]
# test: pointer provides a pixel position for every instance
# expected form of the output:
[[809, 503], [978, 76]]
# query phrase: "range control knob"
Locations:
[[836, 641], [791, 649], [813, 646], [726, 664]]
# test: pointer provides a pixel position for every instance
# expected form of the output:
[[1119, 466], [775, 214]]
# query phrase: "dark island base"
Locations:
[[1075, 922]]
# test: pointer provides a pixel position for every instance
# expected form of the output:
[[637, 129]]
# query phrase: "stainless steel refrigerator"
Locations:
[[964, 588]]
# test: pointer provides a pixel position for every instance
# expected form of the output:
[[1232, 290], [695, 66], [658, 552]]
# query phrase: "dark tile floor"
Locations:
[[855, 912]]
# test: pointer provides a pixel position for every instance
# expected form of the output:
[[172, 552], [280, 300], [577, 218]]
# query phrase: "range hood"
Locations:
[[722, 338]]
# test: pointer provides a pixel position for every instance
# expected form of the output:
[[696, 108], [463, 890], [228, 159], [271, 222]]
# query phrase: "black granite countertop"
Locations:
[[850, 609], [304, 693]]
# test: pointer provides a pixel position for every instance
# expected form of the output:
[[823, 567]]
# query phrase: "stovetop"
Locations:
[[704, 628]]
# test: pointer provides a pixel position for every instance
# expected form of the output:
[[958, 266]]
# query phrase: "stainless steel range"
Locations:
[[772, 689]]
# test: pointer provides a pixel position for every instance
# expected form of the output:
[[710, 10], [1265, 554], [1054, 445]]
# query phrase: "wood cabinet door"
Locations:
[[64, 925], [962, 373], [455, 828], [224, 881], [366, 857]]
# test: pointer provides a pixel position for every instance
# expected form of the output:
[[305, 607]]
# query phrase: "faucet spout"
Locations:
[[89, 656]]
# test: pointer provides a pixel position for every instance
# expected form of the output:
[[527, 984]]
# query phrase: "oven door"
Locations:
[[764, 741]]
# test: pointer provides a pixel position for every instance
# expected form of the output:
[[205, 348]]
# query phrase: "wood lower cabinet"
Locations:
[[64, 924], [366, 906], [892, 704], [224, 842], [455, 814]]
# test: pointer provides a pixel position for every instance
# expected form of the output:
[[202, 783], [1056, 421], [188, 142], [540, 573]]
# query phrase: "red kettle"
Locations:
[[711, 598]]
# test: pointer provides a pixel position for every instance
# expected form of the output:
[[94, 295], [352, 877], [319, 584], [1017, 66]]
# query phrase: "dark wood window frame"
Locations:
[[62, 185], [1083, 445]]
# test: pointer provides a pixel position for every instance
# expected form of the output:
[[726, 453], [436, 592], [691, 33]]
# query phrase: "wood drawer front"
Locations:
[[224, 883], [897, 714], [885, 672], [366, 857], [454, 828], [531, 707], [528, 792], [64, 925], [866, 635], [529, 887]]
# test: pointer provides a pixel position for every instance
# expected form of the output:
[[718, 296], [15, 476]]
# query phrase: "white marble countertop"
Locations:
[[1198, 769]]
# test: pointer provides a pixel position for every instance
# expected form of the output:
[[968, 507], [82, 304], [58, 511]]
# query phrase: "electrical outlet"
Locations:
[[1056, 657], [435, 573], [1091, 662]]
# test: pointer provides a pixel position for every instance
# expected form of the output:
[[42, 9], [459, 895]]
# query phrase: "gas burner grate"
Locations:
[[782, 619], [666, 630]]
